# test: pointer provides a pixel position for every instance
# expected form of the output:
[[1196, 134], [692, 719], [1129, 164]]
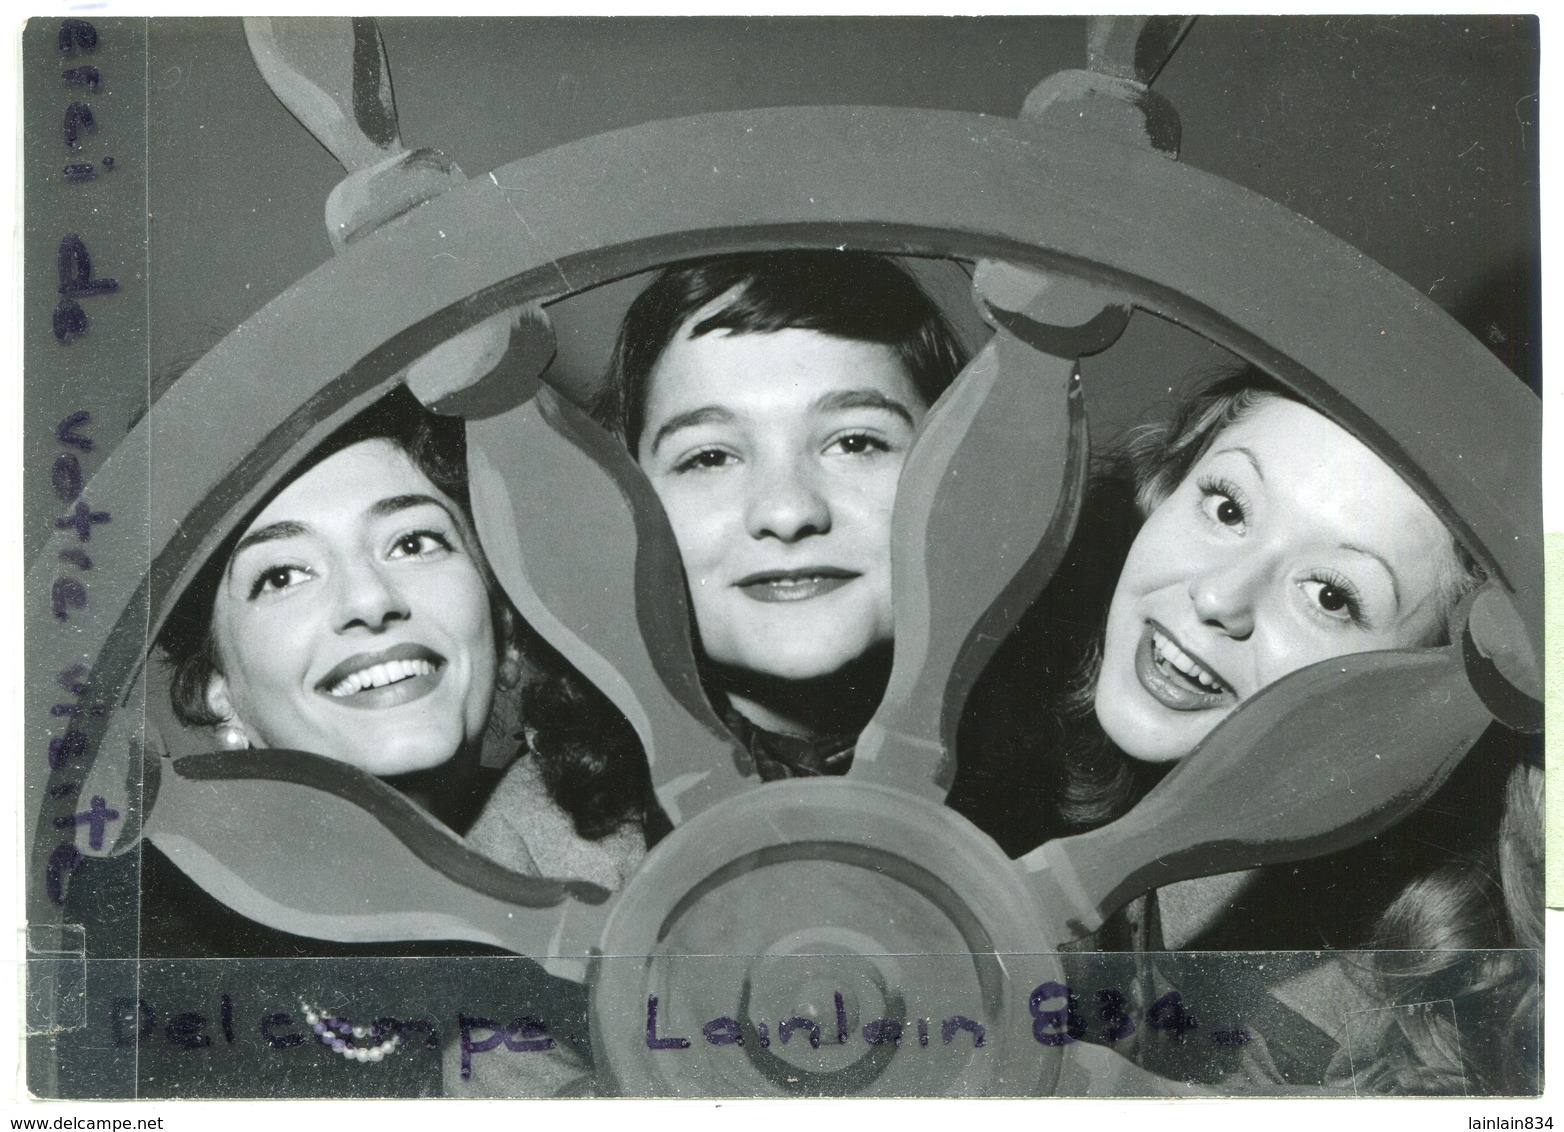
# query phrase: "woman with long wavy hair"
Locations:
[[1248, 537]]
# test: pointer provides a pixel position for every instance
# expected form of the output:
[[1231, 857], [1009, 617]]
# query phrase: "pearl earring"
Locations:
[[231, 737], [510, 668]]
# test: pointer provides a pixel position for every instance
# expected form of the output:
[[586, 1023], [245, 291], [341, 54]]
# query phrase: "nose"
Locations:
[[367, 597], [1224, 595], [787, 503]]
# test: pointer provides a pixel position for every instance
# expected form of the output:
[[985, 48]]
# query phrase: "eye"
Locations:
[[276, 579], [421, 544], [1223, 503], [1334, 598], [706, 459], [858, 444]]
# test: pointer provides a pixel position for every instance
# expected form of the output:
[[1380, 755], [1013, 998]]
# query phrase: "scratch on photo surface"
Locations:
[[516, 212], [1441, 1006]]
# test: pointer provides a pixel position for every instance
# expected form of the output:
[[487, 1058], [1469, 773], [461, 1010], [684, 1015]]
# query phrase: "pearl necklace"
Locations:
[[343, 1037]]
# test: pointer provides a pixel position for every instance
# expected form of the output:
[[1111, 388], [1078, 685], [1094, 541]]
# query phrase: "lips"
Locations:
[[1176, 678], [795, 585], [397, 675]]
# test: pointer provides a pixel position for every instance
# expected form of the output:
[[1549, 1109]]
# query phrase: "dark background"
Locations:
[[1413, 138]]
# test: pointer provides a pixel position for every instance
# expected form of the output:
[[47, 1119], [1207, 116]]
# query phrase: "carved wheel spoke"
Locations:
[[999, 464], [282, 837], [581, 545]]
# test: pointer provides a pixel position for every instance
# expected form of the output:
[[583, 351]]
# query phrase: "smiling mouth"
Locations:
[[384, 679], [1176, 679], [795, 585]]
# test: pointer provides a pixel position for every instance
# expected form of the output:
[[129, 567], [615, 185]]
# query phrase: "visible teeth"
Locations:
[[1165, 650], [379, 675]]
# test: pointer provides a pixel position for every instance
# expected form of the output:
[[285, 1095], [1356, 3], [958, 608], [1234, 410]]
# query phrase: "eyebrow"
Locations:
[[287, 528], [864, 399], [839, 401], [709, 414], [391, 505], [1247, 454], [1395, 588], [291, 528]]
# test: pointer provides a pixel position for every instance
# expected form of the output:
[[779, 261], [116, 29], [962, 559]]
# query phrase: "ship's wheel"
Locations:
[[914, 923]]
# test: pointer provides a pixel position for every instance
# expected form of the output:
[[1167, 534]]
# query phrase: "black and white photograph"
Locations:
[[782, 557]]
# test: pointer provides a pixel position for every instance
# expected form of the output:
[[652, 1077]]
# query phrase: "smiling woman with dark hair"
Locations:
[[353, 616], [771, 399]]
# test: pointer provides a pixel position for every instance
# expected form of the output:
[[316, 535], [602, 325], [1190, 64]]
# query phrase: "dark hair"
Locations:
[[853, 295], [589, 756], [437, 447]]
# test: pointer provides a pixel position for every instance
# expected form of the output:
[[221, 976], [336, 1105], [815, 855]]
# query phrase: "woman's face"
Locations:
[[1288, 543], [353, 621], [776, 457]]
